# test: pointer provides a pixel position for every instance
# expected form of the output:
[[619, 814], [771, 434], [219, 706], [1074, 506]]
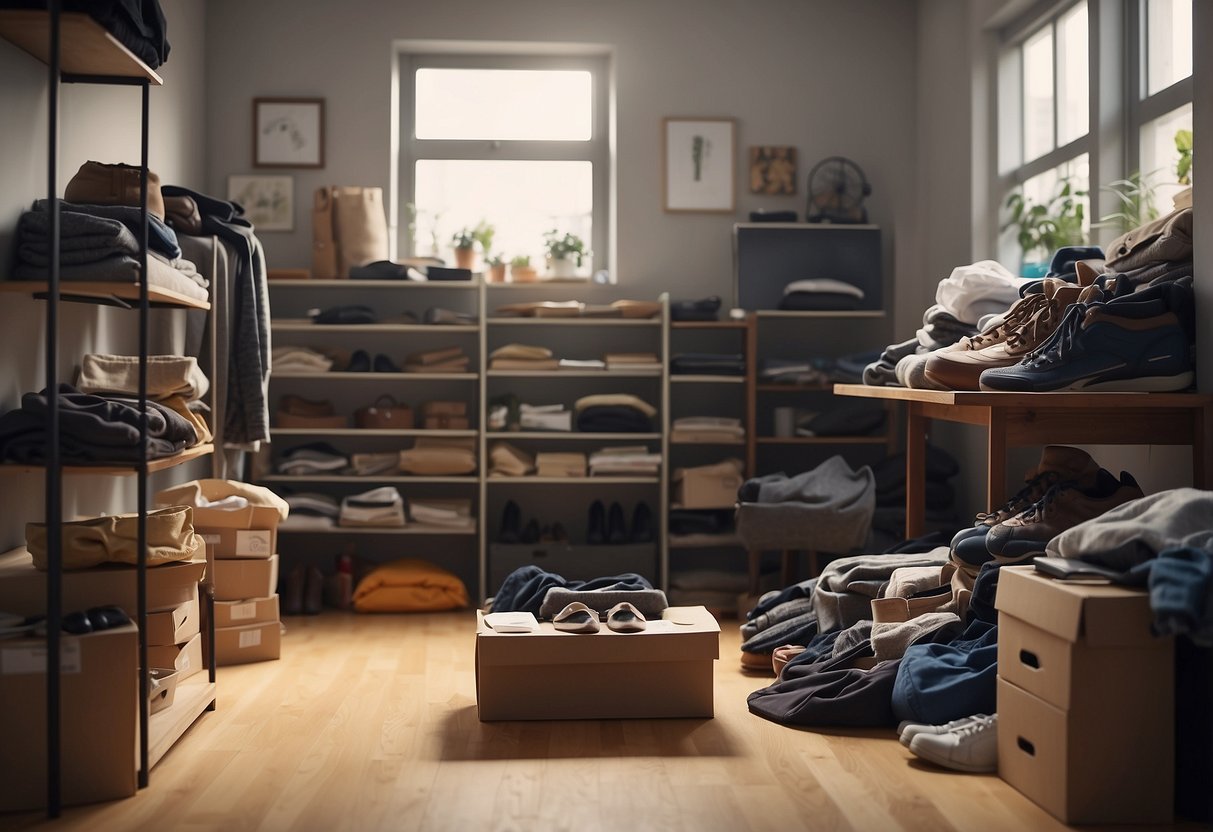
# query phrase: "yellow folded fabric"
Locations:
[[112, 539], [523, 351], [410, 585], [615, 400], [178, 405]]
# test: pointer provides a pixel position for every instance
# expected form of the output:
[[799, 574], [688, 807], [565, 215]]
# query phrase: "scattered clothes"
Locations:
[[217, 493], [846, 587], [523, 590], [978, 289], [409, 585], [937, 683], [650, 602], [112, 539]]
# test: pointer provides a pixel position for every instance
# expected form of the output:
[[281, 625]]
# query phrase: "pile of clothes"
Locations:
[[625, 461]]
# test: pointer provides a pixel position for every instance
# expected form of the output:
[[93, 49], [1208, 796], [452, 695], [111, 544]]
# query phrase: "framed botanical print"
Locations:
[[288, 132], [699, 159]]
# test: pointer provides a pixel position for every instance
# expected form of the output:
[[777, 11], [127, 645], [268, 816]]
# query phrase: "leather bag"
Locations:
[[349, 228], [97, 183], [385, 414]]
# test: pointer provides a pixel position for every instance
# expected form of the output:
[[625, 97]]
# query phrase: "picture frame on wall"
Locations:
[[773, 170], [268, 201], [699, 160], [288, 132]]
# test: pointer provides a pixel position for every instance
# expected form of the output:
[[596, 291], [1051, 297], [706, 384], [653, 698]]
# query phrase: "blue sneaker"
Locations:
[[1136, 343]]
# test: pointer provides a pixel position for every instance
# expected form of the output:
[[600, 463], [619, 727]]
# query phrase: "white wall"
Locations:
[[828, 77]]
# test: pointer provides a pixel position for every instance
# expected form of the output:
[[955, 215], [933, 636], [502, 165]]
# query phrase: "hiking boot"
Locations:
[[1026, 328], [1063, 507], [971, 747], [1135, 343]]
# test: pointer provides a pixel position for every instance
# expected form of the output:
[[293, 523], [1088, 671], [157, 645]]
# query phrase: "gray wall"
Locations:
[[102, 124], [828, 77]]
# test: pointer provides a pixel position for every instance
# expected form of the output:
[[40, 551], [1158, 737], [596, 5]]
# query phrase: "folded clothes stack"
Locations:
[[174, 381], [582, 364], [708, 364], [554, 464], [846, 420], [299, 360], [311, 511], [444, 360], [113, 539], [625, 461], [820, 295], [522, 357], [793, 371], [505, 460], [313, 458], [445, 415], [577, 309], [704, 309], [298, 412], [707, 429], [554, 417], [614, 413], [624, 361], [380, 507], [454, 514], [432, 456], [439, 316], [371, 464]]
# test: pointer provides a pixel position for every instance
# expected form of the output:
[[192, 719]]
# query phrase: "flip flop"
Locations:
[[576, 618], [624, 618]]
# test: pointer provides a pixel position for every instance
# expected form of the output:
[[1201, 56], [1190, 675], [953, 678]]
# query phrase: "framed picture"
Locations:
[[773, 170], [699, 159], [288, 132], [269, 201]]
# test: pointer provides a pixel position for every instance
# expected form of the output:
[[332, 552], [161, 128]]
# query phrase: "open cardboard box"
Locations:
[[185, 658], [664, 671], [174, 625], [250, 532]]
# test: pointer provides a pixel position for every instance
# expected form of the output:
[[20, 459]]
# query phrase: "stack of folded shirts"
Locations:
[[439, 316], [614, 413], [445, 360], [707, 429], [298, 412], [377, 507], [545, 417], [174, 381], [582, 364], [371, 464], [445, 416], [299, 360], [628, 460], [792, 371], [311, 511], [637, 308], [314, 458], [449, 514], [432, 456], [708, 364], [522, 357], [542, 309], [631, 361], [821, 295], [551, 464], [505, 460]]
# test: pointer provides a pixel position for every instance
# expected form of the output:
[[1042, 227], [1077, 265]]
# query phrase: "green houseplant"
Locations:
[[565, 253], [1134, 202], [521, 270], [1042, 228], [464, 243], [1183, 166], [496, 268]]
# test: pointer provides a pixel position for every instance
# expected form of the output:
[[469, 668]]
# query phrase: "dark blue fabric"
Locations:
[[829, 692], [985, 590], [798, 630], [770, 601], [160, 238], [937, 683], [524, 588], [1180, 583], [1066, 256]]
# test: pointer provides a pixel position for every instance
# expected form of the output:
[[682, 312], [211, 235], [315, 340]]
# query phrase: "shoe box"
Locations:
[[664, 671], [250, 532], [100, 707], [706, 487], [577, 562], [247, 631], [238, 579], [176, 624], [1085, 700], [185, 658]]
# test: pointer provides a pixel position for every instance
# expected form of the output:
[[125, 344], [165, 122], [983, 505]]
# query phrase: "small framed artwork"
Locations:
[[773, 170], [268, 201], [288, 132], [700, 159]]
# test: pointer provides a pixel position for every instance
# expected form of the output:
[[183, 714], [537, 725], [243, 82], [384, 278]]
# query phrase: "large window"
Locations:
[[1162, 106], [520, 144]]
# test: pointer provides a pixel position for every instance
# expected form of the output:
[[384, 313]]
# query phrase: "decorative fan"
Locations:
[[837, 189]]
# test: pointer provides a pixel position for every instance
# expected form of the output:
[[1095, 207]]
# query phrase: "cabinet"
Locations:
[[78, 50]]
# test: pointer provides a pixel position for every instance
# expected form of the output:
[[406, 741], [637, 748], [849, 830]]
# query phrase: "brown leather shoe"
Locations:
[[1058, 463], [100, 184], [298, 412]]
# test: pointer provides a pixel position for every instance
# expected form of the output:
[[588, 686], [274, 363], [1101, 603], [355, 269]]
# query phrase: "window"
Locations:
[[519, 143], [1163, 104]]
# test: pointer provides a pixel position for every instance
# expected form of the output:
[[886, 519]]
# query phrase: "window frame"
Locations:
[[1141, 108]]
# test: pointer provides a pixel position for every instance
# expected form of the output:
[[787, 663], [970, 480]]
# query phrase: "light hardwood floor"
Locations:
[[369, 722]]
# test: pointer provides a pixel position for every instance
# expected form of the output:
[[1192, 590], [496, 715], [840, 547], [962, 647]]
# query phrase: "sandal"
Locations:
[[625, 618], [576, 618]]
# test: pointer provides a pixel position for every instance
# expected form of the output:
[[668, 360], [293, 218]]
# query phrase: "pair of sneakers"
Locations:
[[578, 618], [969, 744]]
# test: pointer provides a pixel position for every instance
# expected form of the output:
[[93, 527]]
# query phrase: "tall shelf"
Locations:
[[76, 49]]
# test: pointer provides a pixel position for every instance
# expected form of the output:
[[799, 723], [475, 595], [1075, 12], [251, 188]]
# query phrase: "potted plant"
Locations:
[[1042, 228], [1183, 165], [483, 235], [496, 268], [565, 253], [521, 270], [464, 243], [1135, 203]]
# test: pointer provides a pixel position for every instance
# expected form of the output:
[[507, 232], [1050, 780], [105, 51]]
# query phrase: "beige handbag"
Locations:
[[349, 228], [324, 245], [385, 414]]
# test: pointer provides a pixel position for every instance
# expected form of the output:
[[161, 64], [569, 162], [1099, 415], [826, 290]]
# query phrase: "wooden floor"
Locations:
[[369, 722]]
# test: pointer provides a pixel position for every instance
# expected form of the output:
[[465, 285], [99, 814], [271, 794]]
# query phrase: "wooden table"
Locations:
[[1026, 419]]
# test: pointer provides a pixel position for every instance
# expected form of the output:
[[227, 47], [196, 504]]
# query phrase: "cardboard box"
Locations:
[[100, 688], [662, 672], [1085, 700], [185, 658], [174, 625], [245, 533], [238, 579], [244, 613], [251, 643], [23, 588], [707, 487]]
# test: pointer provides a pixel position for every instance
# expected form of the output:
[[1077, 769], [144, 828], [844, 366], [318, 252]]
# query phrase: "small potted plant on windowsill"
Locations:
[[1041, 229], [521, 270], [565, 253], [496, 269], [464, 243]]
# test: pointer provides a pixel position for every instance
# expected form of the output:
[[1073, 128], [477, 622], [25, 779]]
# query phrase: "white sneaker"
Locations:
[[909, 730], [972, 747]]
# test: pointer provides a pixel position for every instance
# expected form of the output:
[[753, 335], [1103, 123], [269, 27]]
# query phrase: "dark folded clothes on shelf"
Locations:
[[35, 224], [613, 419], [704, 363]]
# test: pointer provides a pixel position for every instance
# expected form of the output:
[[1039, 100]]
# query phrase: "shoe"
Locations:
[[104, 618], [1135, 343], [642, 524], [616, 532], [360, 362], [76, 623], [531, 533], [595, 534], [511, 521], [383, 364], [909, 729], [972, 747], [292, 592], [624, 618], [576, 618], [1064, 506], [313, 594]]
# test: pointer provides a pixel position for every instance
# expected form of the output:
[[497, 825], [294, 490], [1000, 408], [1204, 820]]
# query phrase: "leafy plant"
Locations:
[[1183, 167], [483, 234], [1050, 225], [568, 247], [520, 261], [495, 260], [464, 238], [1135, 198]]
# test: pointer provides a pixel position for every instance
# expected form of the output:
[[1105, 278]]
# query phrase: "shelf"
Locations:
[[708, 324], [122, 469], [703, 541], [85, 47], [1029, 400], [344, 376], [307, 325], [414, 528], [811, 226], [706, 441], [111, 293], [353, 479], [373, 284], [807, 313], [823, 440], [564, 436], [792, 388], [591, 321], [191, 699], [706, 379], [572, 480], [574, 373], [370, 432]]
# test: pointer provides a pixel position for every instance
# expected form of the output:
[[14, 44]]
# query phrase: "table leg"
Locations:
[[996, 458], [1200, 447], [916, 481]]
